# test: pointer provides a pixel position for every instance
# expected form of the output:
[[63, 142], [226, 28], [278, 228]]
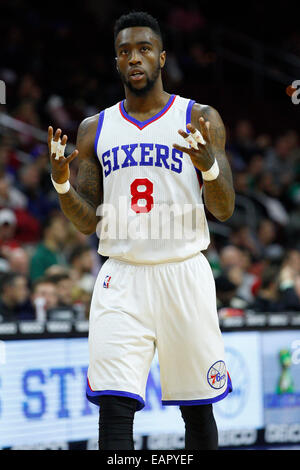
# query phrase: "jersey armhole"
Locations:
[[188, 120], [189, 113], [99, 128]]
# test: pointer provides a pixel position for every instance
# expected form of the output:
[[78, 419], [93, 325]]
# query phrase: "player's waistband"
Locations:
[[149, 265]]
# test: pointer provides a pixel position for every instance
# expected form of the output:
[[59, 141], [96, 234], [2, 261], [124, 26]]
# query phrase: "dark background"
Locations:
[[57, 61], [67, 49]]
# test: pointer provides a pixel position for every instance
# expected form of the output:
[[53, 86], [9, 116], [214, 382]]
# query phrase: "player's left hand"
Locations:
[[202, 156]]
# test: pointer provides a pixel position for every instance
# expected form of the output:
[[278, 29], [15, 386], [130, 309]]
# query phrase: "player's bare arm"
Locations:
[[219, 193], [79, 205]]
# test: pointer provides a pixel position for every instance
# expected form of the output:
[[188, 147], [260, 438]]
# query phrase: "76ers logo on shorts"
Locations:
[[106, 281], [216, 375]]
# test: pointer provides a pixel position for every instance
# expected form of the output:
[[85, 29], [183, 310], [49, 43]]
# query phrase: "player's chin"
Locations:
[[139, 90], [138, 83]]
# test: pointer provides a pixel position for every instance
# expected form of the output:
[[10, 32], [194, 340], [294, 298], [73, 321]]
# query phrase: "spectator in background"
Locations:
[[11, 197], [243, 144], [18, 260], [17, 228], [280, 161], [289, 281], [50, 250], [43, 297], [55, 269], [290, 297], [242, 237], [8, 227], [9, 162], [14, 298], [64, 286], [267, 298], [235, 264], [269, 238], [266, 196], [82, 263], [227, 297], [290, 268], [38, 203], [65, 308]]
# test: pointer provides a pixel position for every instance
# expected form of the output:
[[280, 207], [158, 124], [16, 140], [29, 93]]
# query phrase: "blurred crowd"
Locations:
[[257, 261], [47, 268]]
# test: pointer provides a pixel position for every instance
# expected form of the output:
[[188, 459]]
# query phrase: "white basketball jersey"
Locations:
[[152, 210]]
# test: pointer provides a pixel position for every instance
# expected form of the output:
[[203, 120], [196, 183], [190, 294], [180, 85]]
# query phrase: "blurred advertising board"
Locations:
[[43, 402]]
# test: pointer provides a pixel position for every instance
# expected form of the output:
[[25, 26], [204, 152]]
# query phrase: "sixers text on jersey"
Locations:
[[142, 154]]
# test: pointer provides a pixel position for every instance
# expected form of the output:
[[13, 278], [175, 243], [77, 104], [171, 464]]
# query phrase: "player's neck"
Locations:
[[150, 103]]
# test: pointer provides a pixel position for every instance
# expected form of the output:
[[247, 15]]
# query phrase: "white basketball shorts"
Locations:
[[172, 307]]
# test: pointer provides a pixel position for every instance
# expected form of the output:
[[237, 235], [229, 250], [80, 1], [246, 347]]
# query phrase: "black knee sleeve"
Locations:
[[116, 422], [200, 427]]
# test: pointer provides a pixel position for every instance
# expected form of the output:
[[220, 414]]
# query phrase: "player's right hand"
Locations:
[[59, 167]]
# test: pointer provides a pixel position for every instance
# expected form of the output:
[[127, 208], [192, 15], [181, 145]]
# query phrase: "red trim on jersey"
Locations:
[[90, 385], [148, 121]]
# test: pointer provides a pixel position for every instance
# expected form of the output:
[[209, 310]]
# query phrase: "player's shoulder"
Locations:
[[208, 112], [89, 121], [88, 127]]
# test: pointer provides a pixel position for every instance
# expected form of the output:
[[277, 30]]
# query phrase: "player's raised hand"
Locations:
[[59, 163], [200, 149]]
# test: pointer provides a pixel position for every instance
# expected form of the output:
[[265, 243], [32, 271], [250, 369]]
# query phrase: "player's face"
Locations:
[[139, 58]]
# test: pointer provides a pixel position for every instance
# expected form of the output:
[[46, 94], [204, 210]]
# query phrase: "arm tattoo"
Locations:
[[219, 194], [80, 205]]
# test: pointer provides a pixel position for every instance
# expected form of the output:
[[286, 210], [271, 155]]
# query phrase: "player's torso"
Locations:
[[152, 192]]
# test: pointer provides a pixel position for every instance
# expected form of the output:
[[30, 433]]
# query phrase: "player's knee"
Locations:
[[116, 422], [115, 406], [197, 415]]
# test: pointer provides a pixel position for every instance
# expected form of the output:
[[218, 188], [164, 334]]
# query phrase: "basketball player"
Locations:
[[151, 293]]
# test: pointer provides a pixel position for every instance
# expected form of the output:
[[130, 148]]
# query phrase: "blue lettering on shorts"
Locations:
[[217, 375]]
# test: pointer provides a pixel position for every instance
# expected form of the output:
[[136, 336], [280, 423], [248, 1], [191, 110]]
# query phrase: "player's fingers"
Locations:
[[57, 135], [204, 126], [64, 140], [183, 133], [187, 150], [55, 143], [196, 134], [189, 139], [208, 130], [50, 135], [72, 156], [58, 146], [191, 128]]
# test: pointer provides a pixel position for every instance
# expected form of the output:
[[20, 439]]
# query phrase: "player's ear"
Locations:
[[162, 59]]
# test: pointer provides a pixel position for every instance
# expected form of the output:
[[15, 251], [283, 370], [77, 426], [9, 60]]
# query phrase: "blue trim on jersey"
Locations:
[[93, 396], [188, 113], [142, 124], [188, 121], [99, 128], [201, 402]]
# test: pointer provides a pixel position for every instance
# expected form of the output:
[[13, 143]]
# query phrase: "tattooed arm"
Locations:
[[80, 205], [219, 194]]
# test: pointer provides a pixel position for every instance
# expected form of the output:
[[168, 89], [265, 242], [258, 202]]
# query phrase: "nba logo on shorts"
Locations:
[[106, 281], [216, 376]]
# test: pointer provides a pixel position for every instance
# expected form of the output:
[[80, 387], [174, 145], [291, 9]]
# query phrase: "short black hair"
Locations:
[[56, 278], [78, 251], [137, 18], [8, 279]]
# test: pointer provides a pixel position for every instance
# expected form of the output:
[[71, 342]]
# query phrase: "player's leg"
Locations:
[[116, 422], [190, 347], [121, 349], [200, 427]]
